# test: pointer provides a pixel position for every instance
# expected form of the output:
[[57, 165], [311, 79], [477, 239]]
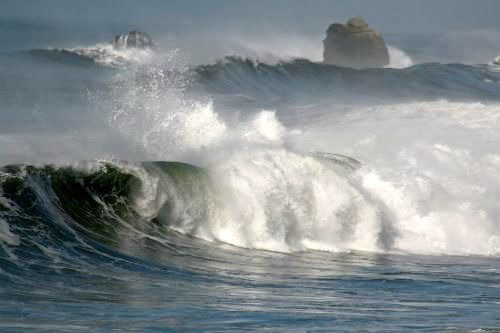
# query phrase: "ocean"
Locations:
[[251, 191]]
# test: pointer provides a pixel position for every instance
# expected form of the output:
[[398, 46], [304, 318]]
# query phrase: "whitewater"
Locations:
[[257, 191]]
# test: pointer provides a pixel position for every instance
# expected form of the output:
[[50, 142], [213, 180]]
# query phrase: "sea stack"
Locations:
[[354, 44], [133, 40]]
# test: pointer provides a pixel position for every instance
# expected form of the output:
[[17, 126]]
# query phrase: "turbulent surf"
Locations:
[[145, 192]]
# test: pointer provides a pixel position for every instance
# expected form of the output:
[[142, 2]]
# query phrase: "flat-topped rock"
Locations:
[[354, 44]]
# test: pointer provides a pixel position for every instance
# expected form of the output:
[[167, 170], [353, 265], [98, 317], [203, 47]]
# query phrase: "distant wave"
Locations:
[[301, 77], [102, 54]]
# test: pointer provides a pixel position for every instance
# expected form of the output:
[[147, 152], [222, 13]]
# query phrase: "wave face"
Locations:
[[93, 203]]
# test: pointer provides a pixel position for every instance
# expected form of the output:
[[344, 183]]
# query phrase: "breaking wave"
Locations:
[[263, 198], [303, 80], [269, 176]]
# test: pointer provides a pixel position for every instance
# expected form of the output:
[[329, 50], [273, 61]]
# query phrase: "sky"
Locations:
[[389, 16]]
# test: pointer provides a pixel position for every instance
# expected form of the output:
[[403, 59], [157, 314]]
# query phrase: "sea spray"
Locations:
[[260, 167], [398, 58], [435, 179]]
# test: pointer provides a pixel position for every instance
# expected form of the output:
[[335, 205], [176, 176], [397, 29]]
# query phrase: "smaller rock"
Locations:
[[133, 40]]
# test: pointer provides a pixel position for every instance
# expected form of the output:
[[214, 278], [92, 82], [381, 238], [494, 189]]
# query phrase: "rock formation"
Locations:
[[355, 45], [134, 39]]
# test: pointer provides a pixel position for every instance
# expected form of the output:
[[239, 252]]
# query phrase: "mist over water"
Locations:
[[231, 181]]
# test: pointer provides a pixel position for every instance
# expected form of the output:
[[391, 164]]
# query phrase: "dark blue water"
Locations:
[[308, 198]]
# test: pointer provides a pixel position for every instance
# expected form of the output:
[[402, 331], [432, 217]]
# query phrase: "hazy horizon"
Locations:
[[389, 16]]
